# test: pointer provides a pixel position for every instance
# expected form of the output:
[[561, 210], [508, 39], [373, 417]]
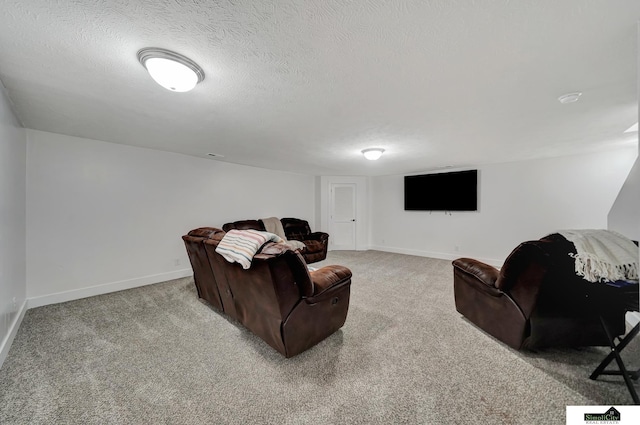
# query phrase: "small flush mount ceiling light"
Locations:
[[569, 97], [373, 153], [170, 69], [632, 129]]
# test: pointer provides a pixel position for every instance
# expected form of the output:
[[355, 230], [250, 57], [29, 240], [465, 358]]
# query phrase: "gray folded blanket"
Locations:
[[274, 225]]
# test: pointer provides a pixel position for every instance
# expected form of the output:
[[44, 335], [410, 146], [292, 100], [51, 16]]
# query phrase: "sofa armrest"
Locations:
[[317, 236], [476, 274], [207, 232], [327, 279], [485, 273]]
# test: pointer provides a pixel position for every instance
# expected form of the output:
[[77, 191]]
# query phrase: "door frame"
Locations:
[[332, 187], [323, 186]]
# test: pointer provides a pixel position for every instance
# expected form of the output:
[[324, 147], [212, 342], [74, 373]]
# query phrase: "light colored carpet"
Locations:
[[158, 355]]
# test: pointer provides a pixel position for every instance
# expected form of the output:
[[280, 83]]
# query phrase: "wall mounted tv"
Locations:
[[453, 191]]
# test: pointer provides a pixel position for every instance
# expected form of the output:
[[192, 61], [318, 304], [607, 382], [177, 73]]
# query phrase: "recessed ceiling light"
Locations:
[[632, 128], [570, 97], [373, 153], [171, 70]]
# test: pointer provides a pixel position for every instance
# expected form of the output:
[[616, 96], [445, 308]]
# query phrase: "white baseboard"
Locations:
[[13, 330], [76, 294], [439, 255]]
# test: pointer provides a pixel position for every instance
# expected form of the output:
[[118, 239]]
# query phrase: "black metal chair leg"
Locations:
[[615, 354], [627, 379], [623, 343]]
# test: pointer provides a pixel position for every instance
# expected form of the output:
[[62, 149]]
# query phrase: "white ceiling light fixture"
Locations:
[[570, 97], [171, 70], [632, 129], [372, 153]]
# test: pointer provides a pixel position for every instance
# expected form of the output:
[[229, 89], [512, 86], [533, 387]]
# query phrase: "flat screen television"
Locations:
[[453, 191]]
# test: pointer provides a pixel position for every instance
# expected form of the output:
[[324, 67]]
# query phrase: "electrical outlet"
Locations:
[[456, 248], [14, 304], [176, 262]]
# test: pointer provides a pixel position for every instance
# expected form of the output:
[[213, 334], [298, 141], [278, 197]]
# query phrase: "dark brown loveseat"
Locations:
[[536, 299], [277, 298], [316, 243]]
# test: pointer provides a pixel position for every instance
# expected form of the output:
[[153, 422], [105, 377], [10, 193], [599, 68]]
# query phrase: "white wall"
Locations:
[[113, 215], [316, 226], [517, 201], [12, 224], [362, 206], [624, 216]]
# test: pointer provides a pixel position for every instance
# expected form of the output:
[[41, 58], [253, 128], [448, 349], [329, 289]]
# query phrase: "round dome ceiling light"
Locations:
[[372, 153], [569, 97], [171, 70]]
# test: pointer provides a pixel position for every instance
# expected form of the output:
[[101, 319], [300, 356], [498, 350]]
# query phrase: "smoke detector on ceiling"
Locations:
[[570, 97]]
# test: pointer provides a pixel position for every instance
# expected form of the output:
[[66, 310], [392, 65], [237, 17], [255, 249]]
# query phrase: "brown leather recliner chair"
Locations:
[[277, 298], [536, 299], [202, 272], [316, 243]]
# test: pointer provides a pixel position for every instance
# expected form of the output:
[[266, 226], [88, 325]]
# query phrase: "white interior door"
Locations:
[[342, 216]]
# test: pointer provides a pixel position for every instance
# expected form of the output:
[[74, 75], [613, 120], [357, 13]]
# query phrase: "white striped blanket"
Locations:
[[239, 246], [603, 255]]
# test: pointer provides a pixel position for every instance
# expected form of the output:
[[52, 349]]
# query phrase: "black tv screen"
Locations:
[[453, 191]]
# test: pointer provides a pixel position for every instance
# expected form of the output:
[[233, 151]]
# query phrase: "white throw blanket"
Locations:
[[274, 225], [239, 246], [603, 255]]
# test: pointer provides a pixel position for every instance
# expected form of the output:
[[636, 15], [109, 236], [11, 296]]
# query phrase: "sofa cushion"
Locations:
[[296, 228], [244, 225]]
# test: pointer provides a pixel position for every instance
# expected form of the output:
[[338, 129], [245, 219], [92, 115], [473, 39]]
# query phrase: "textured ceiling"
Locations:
[[304, 86]]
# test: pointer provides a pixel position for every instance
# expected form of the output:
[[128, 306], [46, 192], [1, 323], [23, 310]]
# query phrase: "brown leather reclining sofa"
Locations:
[[536, 299], [316, 243], [277, 298]]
